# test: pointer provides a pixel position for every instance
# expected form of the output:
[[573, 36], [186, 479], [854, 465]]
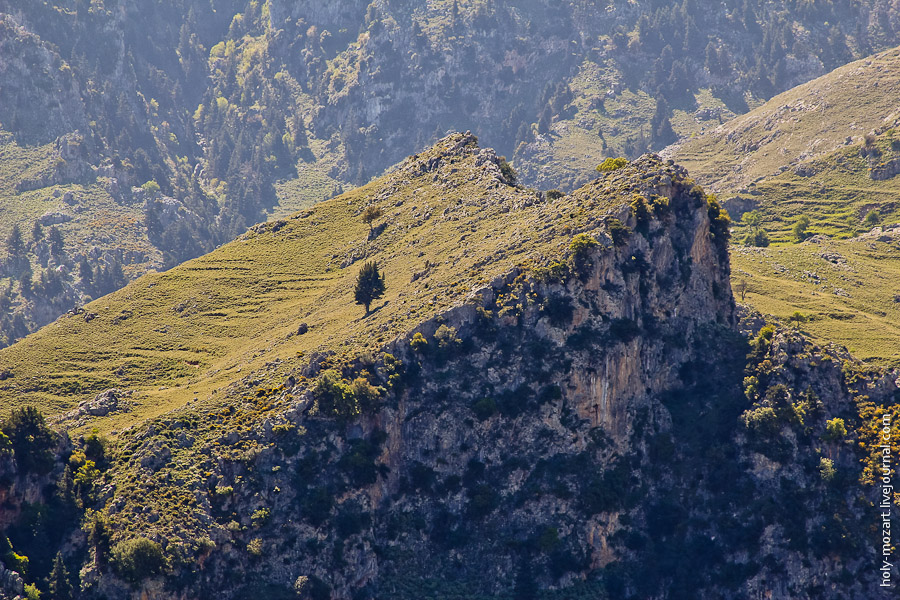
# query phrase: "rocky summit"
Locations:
[[556, 397]]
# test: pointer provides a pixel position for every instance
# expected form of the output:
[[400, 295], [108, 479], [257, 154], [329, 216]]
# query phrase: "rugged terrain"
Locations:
[[826, 152], [241, 111], [554, 393]]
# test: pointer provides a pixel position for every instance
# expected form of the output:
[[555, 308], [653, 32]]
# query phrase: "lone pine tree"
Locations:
[[369, 285]]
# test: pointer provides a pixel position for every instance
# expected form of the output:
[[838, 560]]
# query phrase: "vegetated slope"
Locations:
[[800, 126], [238, 307], [827, 153], [241, 111], [845, 291], [551, 396]]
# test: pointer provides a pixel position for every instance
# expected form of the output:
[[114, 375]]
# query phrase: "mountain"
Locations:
[[795, 129], [553, 393], [164, 129], [826, 152]]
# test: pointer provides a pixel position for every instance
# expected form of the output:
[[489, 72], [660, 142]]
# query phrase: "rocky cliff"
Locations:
[[579, 416]]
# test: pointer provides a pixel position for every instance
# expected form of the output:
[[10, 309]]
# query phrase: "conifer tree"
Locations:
[[369, 285]]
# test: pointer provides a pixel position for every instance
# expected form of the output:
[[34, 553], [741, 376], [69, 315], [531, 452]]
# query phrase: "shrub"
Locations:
[[801, 228], [508, 172], [555, 272], [554, 194], [335, 396], [835, 430], [485, 408], [260, 517], [418, 342], [580, 246], [255, 547], [826, 469], [758, 238], [641, 213], [761, 420], [719, 222], [446, 338], [482, 500], [137, 559], [872, 219], [558, 310], [548, 539], [151, 188], [11, 559], [612, 164], [618, 231]]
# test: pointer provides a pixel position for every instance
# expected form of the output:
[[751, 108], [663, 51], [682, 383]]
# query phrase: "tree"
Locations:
[[660, 127], [370, 214], [872, 218], [60, 586], [801, 228], [57, 243], [757, 236], [798, 317], [32, 441], [37, 232], [741, 288], [369, 285], [14, 244]]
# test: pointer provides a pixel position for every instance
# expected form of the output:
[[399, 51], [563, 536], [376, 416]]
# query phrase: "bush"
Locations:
[[554, 195], [553, 273], [151, 188], [260, 517], [835, 430], [801, 228], [508, 172], [618, 231], [719, 222], [482, 500], [485, 408], [580, 246], [418, 342], [335, 396], [826, 469], [762, 420], [758, 238], [446, 338], [612, 164], [137, 559], [558, 309]]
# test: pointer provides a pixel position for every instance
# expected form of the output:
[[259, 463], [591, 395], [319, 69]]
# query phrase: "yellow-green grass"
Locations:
[[846, 288], [802, 124], [191, 331], [97, 218], [836, 194]]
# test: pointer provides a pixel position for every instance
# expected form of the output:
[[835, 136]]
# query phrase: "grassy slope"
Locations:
[[847, 288], [802, 124], [97, 219], [792, 158], [187, 333]]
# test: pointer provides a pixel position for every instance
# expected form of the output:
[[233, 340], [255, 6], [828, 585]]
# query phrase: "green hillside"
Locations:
[[194, 329], [828, 152], [797, 127]]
